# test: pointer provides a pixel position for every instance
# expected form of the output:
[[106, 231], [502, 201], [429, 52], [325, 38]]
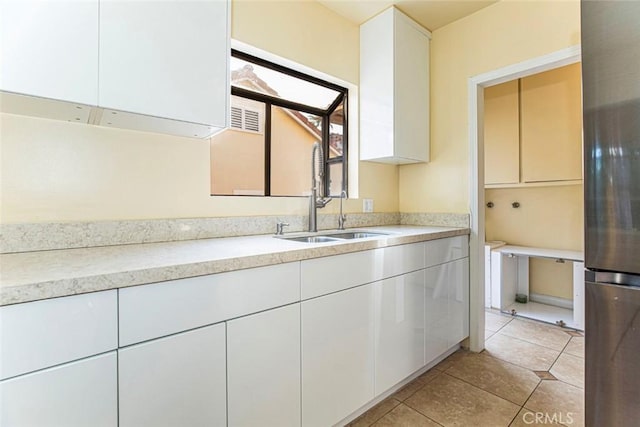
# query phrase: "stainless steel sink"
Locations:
[[357, 235], [333, 237], [312, 239]]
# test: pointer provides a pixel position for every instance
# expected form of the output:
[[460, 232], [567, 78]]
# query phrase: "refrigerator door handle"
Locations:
[[615, 278]]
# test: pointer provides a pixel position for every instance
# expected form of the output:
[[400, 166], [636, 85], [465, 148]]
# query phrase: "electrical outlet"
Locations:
[[367, 205]]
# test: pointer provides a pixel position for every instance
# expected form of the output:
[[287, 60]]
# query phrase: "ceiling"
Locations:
[[431, 14]]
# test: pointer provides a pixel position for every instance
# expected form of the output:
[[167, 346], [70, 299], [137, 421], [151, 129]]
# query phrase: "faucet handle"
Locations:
[[321, 202], [280, 227], [342, 218]]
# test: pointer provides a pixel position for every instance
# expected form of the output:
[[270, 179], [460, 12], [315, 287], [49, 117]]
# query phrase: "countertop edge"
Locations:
[[47, 289]]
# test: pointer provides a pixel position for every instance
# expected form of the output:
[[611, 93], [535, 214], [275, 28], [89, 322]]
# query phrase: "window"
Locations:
[[277, 114]]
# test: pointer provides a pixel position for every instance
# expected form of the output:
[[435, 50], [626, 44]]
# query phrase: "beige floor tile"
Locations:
[[532, 419], [521, 353], [557, 399], [375, 413], [452, 402], [407, 391], [428, 376], [403, 416], [488, 334], [575, 347], [495, 322], [537, 333], [446, 363], [569, 369], [504, 379]]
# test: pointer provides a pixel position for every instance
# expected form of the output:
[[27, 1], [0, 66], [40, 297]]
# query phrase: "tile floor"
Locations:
[[530, 374]]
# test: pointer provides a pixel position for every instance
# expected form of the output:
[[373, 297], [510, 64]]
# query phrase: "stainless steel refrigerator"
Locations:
[[611, 103]]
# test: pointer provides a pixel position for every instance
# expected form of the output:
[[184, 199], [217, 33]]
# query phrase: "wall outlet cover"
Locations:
[[367, 205]]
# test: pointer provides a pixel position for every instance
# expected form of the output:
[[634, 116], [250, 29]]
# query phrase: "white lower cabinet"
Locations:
[[446, 306], [436, 311], [337, 355], [458, 300], [399, 328], [263, 368], [179, 380], [82, 393]]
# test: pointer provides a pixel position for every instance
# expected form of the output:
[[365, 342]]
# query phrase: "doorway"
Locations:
[[476, 86]]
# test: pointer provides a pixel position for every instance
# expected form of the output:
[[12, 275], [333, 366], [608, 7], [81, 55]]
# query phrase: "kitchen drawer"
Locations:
[[403, 259], [321, 276], [160, 309], [40, 334], [445, 250]]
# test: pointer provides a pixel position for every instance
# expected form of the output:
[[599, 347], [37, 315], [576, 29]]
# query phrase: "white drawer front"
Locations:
[[445, 250], [403, 259], [160, 309], [321, 276], [39, 334]]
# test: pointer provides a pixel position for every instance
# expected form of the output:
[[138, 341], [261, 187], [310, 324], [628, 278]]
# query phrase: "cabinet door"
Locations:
[[436, 311], [458, 300], [165, 59], [502, 134], [49, 49], [394, 89], [263, 368], [77, 394], [411, 84], [337, 355], [399, 328], [175, 381], [551, 125]]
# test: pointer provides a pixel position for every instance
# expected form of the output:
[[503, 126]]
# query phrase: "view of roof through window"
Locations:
[[265, 80]]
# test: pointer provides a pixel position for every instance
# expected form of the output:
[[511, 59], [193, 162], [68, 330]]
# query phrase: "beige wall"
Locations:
[[58, 171], [548, 217], [499, 35]]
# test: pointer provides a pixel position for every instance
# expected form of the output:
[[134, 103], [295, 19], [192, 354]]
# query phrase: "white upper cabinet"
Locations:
[[158, 66], [394, 89], [165, 59], [49, 49]]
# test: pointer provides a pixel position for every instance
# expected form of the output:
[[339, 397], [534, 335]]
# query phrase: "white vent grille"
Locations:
[[236, 117], [246, 119], [252, 120]]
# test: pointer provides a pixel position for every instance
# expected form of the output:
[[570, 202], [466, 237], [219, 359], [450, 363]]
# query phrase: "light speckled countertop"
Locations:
[[31, 276]]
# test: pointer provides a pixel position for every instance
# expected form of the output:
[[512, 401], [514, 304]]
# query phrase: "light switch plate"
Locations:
[[367, 205]]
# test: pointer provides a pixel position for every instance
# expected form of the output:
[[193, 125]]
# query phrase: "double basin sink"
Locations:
[[334, 237]]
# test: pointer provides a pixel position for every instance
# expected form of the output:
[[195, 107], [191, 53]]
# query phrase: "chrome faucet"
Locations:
[[315, 199], [342, 218], [280, 228]]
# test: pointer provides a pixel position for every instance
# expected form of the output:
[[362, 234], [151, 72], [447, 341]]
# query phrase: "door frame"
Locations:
[[476, 86]]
